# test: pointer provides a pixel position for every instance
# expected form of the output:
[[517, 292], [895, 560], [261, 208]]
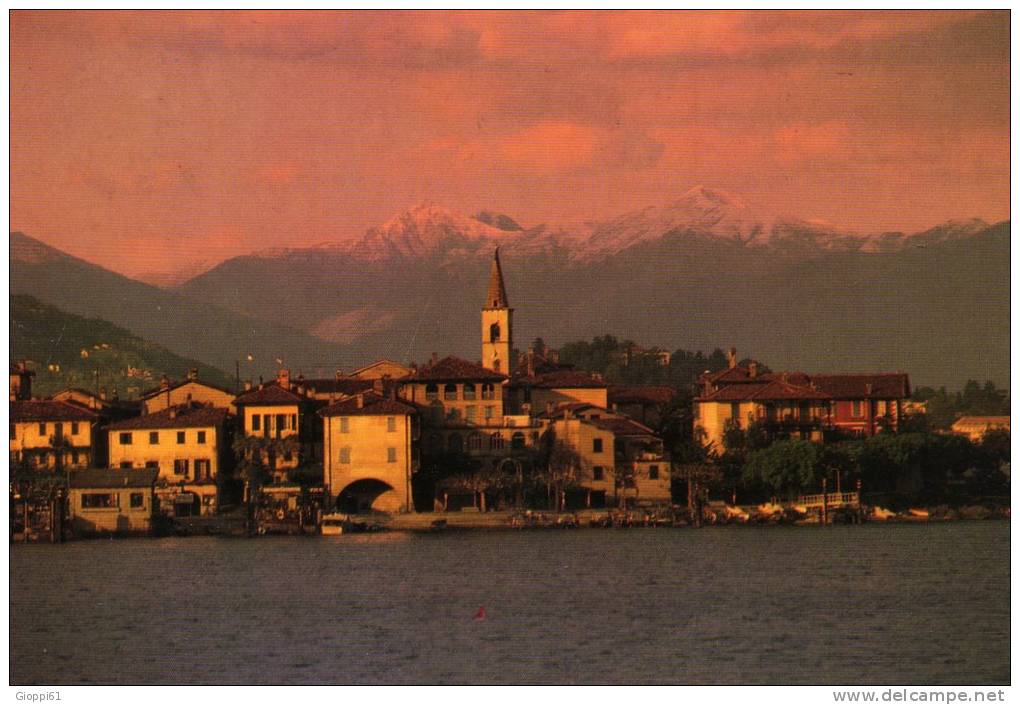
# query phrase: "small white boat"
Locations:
[[334, 524]]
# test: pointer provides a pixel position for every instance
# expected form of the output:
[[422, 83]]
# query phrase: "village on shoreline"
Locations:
[[514, 440]]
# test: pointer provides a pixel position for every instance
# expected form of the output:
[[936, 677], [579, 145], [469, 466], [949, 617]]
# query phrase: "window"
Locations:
[[517, 441], [345, 424], [453, 414], [345, 455], [74, 457], [735, 412], [391, 455], [181, 467], [391, 424], [469, 392], [154, 438], [125, 439], [431, 392], [202, 469], [856, 409], [293, 422], [495, 442], [488, 412], [201, 437], [74, 428], [471, 414], [488, 391], [596, 445], [180, 437], [653, 472], [152, 463], [137, 500], [495, 365], [256, 422], [42, 429], [125, 465], [598, 473], [450, 392], [95, 500], [475, 441]]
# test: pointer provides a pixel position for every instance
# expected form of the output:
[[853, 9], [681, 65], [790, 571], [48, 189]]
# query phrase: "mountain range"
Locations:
[[66, 350], [707, 270]]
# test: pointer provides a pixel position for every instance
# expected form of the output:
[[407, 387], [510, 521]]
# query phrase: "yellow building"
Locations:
[[52, 435], [187, 445], [277, 411], [370, 453], [112, 501], [782, 409], [189, 390], [620, 459], [541, 392]]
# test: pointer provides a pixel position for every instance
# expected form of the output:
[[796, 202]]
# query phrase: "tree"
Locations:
[[786, 467], [558, 467]]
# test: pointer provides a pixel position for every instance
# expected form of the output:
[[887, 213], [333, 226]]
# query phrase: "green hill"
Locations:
[[66, 350]]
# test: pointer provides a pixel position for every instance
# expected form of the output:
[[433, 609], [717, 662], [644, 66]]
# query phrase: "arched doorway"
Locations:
[[367, 495]]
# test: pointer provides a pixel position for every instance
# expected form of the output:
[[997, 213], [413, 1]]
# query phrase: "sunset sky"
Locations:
[[145, 141]]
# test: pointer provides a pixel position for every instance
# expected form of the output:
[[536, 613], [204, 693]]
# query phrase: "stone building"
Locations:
[[190, 448]]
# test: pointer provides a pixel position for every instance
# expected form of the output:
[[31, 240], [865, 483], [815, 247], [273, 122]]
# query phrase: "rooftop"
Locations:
[[182, 416], [33, 410], [98, 478], [452, 369], [372, 405]]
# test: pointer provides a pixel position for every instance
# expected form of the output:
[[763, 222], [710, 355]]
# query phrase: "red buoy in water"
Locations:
[[480, 614]]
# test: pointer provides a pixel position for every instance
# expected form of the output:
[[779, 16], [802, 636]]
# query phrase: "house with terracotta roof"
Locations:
[[796, 404], [548, 389], [862, 404], [370, 452], [191, 389], [643, 403], [53, 435], [278, 411], [188, 445]]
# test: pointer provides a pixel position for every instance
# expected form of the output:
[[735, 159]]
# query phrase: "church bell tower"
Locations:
[[497, 323]]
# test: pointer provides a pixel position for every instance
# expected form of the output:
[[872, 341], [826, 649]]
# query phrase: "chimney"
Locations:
[[752, 368], [360, 400], [164, 382], [283, 378], [102, 393], [731, 357], [247, 385], [192, 374], [173, 412]]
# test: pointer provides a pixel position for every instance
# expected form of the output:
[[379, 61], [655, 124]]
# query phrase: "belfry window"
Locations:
[[494, 333]]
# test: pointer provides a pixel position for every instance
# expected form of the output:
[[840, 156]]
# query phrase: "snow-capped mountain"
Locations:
[[428, 229]]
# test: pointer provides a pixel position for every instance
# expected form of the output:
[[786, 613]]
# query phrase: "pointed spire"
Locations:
[[497, 292]]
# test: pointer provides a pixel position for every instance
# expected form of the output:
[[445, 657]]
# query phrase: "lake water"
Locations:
[[913, 604]]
